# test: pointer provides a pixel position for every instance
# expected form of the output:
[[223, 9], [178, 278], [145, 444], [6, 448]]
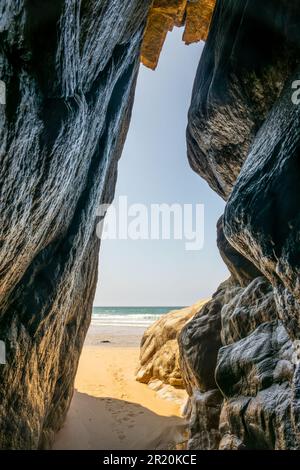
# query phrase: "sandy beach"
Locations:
[[110, 410]]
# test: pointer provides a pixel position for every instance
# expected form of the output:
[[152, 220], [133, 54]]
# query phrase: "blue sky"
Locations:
[[154, 169]]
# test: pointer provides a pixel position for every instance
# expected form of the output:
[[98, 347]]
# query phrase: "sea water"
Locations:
[[128, 316]]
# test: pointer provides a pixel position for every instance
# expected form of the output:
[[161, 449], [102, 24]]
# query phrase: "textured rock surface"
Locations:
[[199, 342], [70, 71], [243, 138], [262, 221], [255, 371], [198, 19], [240, 76], [159, 356], [237, 361], [241, 269], [255, 375], [164, 15], [246, 309], [262, 216]]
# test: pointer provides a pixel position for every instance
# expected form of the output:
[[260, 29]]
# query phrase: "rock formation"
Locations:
[[199, 343], [239, 78], [159, 355], [164, 15], [70, 70], [239, 355]]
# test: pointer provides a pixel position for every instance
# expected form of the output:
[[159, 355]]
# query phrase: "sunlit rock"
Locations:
[[255, 375], [198, 19], [159, 356], [164, 15]]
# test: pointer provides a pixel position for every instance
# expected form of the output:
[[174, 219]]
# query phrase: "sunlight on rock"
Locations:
[[164, 15]]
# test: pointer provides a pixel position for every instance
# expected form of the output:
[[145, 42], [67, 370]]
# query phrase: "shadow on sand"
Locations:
[[110, 424]]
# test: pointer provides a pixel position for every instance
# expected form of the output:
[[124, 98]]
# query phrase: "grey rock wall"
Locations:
[[252, 49], [70, 69], [243, 138]]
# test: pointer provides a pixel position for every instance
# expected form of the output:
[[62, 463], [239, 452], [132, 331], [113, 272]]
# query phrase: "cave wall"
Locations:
[[250, 52], [70, 70], [243, 139]]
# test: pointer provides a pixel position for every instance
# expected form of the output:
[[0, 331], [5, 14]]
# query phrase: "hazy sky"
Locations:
[[154, 169]]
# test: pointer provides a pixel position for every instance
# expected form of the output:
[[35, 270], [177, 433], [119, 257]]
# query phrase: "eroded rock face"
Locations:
[[249, 54], [70, 71], [262, 218], [199, 343], [164, 15], [159, 355], [238, 364], [264, 225], [241, 269], [198, 19], [255, 375], [243, 138], [246, 309], [254, 372]]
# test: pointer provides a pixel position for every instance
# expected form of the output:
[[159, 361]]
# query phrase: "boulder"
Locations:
[[159, 355]]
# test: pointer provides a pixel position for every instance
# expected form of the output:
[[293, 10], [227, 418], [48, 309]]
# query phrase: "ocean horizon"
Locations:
[[129, 316]]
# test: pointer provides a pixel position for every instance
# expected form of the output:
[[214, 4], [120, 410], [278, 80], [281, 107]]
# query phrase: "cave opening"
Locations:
[[141, 280], [68, 72]]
